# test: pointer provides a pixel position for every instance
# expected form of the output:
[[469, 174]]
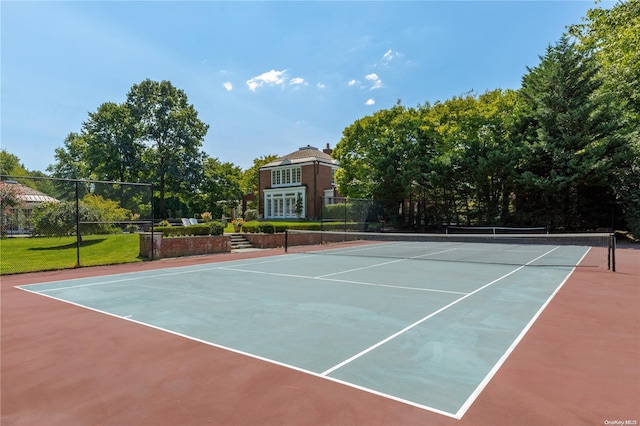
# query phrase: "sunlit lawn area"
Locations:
[[42, 254], [49, 253]]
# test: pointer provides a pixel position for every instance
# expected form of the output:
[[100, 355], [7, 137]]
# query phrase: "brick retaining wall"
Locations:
[[265, 240], [183, 246]]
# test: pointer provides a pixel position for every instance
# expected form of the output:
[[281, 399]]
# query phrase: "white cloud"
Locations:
[[387, 58], [297, 80], [353, 83], [370, 102], [272, 78], [320, 86], [373, 77], [228, 86]]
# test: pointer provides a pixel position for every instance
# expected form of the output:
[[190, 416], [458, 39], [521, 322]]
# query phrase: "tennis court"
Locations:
[[373, 316]]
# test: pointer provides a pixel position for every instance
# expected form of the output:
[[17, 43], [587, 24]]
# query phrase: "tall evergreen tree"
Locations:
[[614, 36], [571, 138]]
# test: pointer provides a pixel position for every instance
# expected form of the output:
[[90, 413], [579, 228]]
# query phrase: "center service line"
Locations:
[[420, 321]]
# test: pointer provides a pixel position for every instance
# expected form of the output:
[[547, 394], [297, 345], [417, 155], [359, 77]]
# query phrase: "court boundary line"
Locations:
[[168, 272], [474, 395], [431, 315], [250, 355], [458, 415], [385, 263], [322, 278]]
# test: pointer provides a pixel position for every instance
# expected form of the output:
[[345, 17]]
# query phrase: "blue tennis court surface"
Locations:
[[430, 334]]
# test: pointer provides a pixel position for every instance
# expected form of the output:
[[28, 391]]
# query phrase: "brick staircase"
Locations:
[[239, 242]]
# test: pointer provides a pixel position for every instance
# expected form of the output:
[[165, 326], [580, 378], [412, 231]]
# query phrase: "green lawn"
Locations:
[[43, 254]]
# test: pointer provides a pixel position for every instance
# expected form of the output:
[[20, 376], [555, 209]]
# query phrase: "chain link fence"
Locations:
[[48, 223], [352, 214]]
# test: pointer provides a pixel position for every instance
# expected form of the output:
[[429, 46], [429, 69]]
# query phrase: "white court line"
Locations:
[[463, 409], [360, 269], [321, 278], [385, 263], [420, 321], [457, 415], [254, 356], [143, 276]]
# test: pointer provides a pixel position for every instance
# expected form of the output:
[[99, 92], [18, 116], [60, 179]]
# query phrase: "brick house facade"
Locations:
[[293, 186]]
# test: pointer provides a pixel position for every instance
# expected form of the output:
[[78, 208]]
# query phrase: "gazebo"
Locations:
[[17, 220]]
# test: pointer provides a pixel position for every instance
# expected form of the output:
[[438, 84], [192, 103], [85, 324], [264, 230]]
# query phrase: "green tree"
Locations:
[[10, 164], [70, 164], [249, 182], [59, 219], [172, 132], [613, 35], [113, 151], [221, 187], [110, 211], [572, 138], [373, 154]]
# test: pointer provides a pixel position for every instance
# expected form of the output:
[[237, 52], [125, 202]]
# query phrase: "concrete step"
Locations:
[[239, 242]]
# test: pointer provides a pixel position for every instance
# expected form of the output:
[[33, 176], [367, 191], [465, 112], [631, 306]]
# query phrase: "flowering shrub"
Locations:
[[206, 216], [9, 196]]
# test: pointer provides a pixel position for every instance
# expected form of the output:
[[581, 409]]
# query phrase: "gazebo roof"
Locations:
[[31, 195]]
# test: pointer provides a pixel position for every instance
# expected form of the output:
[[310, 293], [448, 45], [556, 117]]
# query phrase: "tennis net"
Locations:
[[584, 250]]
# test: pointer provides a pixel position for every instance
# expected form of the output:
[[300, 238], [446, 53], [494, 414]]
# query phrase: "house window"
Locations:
[[286, 176], [285, 204]]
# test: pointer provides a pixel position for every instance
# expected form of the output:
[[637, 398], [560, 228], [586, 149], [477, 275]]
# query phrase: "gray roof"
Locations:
[[31, 195], [306, 154]]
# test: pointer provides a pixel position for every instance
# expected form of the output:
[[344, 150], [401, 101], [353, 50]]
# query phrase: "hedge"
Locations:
[[270, 228], [211, 228]]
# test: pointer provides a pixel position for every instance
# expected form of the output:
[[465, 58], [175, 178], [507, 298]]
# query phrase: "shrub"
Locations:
[[250, 215], [216, 228], [59, 219], [267, 228], [131, 228], [178, 231], [108, 210]]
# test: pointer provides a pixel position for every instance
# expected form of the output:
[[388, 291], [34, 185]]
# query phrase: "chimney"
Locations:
[[327, 150]]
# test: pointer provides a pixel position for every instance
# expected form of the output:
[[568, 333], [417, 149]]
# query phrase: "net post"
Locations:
[[609, 253], [78, 236], [152, 219], [286, 240], [613, 252]]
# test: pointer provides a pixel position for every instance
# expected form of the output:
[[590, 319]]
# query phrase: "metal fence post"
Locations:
[[78, 236]]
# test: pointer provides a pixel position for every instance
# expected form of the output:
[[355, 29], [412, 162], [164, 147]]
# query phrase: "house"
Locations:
[[17, 221], [294, 186]]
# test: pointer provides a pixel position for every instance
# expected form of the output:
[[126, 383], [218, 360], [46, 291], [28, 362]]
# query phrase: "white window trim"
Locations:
[[286, 176], [280, 203]]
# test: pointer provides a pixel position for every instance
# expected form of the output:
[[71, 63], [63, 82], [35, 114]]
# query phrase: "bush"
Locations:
[[250, 215], [131, 228], [216, 228], [267, 228], [59, 219], [180, 231], [281, 227]]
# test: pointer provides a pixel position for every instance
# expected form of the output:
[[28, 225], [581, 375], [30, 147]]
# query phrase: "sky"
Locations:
[[267, 77]]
